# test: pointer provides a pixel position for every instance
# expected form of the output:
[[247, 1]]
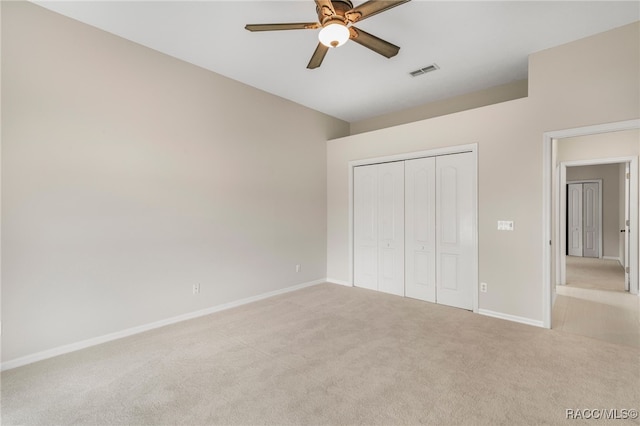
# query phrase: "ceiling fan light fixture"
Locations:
[[334, 35]]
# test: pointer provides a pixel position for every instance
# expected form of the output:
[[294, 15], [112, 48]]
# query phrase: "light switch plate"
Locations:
[[505, 225]]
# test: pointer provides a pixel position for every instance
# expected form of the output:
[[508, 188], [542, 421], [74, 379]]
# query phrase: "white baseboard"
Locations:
[[617, 259], [50, 353], [514, 318], [334, 281]]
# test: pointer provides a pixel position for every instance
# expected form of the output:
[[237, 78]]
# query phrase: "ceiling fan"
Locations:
[[336, 18]]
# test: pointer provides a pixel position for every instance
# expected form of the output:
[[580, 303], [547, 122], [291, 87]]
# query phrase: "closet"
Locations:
[[379, 227], [583, 219], [414, 228]]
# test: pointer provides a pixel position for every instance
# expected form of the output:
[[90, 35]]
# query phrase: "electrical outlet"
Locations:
[[297, 268], [196, 289], [483, 287]]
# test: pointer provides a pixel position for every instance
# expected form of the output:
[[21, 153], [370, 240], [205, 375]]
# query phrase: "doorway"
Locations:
[[553, 239], [577, 230], [591, 298]]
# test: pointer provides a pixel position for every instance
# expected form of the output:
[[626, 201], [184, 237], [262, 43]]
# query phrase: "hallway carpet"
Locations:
[[589, 272]]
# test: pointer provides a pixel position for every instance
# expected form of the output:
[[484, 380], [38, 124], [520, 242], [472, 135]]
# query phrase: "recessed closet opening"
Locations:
[[413, 225]]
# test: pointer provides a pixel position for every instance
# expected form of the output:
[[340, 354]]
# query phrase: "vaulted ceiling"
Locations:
[[476, 45]]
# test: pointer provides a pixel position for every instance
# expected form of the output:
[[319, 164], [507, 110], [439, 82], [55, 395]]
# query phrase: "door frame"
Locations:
[[473, 148], [564, 209], [549, 234], [627, 222]]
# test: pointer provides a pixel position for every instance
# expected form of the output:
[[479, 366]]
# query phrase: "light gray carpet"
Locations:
[[612, 316], [329, 355], [593, 273]]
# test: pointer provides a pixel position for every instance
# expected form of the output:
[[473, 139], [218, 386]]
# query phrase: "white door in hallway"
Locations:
[[583, 217], [591, 219], [455, 230], [379, 227], [574, 209], [420, 227]]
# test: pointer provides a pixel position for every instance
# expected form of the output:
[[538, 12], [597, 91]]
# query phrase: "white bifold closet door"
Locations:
[[574, 208], [440, 226], [583, 207], [591, 221], [420, 235], [379, 227]]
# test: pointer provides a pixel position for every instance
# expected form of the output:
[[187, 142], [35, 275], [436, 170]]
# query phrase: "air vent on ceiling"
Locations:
[[424, 70]]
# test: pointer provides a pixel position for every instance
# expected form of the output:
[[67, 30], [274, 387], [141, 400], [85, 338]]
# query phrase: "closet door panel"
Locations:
[[574, 207], [455, 221], [449, 275], [365, 212], [591, 219], [420, 245], [391, 228]]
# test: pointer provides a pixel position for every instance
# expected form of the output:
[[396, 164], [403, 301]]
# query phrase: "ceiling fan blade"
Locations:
[[374, 43], [325, 7], [370, 8], [280, 27], [318, 56]]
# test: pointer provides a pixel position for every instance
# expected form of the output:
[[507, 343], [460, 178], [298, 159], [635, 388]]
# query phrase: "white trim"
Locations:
[[514, 318], [634, 259], [560, 229], [617, 259], [61, 350], [473, 148], [596, 129], [351, 228], [547, 167], [476, 250], [339, 282], [626, 261]]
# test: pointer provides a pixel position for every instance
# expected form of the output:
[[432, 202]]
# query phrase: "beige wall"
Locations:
[[493, 95], [594, 147], [610, 176], [128, 176], [573, 90], [565, 91]]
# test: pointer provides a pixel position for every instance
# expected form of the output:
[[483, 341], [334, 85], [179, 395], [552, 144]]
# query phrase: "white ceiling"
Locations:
[[476, 44]]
